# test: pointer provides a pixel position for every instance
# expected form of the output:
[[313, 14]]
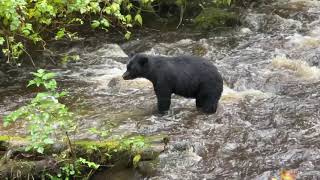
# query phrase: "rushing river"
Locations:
[[268, 118]]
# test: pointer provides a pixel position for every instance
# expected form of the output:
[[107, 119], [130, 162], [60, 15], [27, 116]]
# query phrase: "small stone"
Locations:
[[2, 74], [245, 31]]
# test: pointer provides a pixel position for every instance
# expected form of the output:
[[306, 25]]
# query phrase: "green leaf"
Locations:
[[138, 18], [27, 29], [76, 20], [82, 160], [38, 82], [88, 163], [104, 22], [94, 6], [60, 34], [26, 32], [127, 35], [48, 76], [51, 85], [31, 82], [75, 57], [63, 93], [28, 148], [1, 40], [146, 1], [48, 141], [40, 150], [15, 23], [129, 6], [128, 18], [136, 160], [35, 37], [41, 71], [107, 10], [83, 10], [95, 24], [93, 165], [72, 172], [115, 7], [6, 124]]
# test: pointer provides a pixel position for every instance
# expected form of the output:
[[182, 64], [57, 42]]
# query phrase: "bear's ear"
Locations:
[[131, 54], [143, 60]]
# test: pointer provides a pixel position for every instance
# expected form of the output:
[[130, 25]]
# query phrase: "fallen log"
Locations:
[[15, 163]]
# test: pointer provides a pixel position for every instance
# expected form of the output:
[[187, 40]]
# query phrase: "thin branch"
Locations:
[[29, 57], [8, 47], [182, 7], [90, 173], [52, 60], [70, 146]]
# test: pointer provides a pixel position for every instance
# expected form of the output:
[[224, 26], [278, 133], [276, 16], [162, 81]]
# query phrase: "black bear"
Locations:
[[187, 76]]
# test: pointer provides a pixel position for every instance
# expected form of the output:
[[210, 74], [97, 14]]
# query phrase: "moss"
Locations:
[[214, 17], [108, 145], [199, 50], [129, 145], [4, 138], [118, 152], [14, 138]]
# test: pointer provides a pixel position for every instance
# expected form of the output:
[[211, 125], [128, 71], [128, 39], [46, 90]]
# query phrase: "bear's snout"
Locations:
[[126, 75]]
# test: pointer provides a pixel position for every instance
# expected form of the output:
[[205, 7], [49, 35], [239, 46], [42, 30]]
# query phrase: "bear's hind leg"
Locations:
[[208, 103], [164, 104], [199, 103], [164, 99]]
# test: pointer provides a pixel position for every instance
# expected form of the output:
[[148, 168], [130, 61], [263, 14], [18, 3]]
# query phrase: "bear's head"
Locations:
[[136, 67]]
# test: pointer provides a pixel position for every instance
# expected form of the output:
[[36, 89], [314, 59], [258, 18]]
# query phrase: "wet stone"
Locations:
[[269, 115]]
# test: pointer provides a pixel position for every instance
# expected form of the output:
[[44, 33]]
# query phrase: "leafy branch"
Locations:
[[36, 22]]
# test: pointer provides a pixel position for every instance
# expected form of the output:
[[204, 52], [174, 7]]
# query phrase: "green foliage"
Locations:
[[138, 18], [223, 2], [38, 21], [1, 40], [43, 78], [133, 143], [66, 58], [127, 35], [90, 164], [212, 17], [102, 134], [47, 119], [61, 33], [73, 170], [136, 160], [67, 171]]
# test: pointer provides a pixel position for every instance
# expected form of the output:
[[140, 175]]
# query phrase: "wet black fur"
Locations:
[[187, 76]]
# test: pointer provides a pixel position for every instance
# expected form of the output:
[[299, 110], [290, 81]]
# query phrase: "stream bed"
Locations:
[[268, 118]]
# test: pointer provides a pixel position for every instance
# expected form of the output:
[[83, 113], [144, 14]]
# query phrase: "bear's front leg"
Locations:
[[164, 99]]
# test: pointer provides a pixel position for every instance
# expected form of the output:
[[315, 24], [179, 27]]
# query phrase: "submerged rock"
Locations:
[[2, 74], [214, 17], [120, 84]]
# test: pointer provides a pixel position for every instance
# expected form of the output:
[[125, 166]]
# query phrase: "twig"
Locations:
[[8, 47], [29, 57], [181, 14], [90, 173], [70, 146], [52, 60]]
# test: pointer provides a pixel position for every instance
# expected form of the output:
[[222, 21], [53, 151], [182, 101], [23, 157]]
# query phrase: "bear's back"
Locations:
[[193, 66], [186, 74]]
